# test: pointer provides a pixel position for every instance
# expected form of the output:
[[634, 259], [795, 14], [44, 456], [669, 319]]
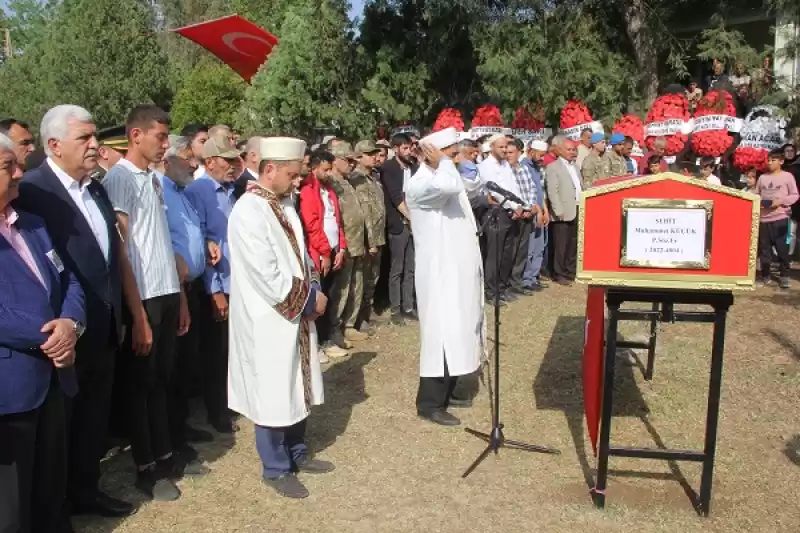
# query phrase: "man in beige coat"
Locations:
[[563, 186]]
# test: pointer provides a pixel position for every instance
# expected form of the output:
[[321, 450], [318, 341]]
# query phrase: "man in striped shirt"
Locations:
[[136, 194], [522, 174]]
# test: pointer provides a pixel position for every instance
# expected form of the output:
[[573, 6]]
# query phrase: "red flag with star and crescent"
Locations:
[[236, 41]]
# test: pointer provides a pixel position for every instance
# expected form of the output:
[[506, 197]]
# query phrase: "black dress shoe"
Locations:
[[533, 288], [459, 402], [315, 466], [225, 426], [521, 291], [509, 296], [287, 485], [411, 315], [197, 435], [443, 418], [101, 504]]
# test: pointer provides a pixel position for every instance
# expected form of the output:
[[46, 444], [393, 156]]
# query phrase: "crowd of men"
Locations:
[[118, 268]]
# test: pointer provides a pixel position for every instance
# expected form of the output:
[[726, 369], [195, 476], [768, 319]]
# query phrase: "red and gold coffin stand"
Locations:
[[730, 261], [733, 239]]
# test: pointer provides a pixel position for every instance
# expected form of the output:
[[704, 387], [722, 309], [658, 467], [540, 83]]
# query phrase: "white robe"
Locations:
[[449, 273], [265, 381]]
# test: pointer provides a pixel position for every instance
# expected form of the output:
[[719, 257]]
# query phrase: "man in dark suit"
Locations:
[[82, 224], [250, 173], [394, 173], [41, 319]]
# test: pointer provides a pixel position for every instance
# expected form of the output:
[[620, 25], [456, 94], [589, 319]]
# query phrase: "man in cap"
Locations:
[[347, 290], [448, 266], [537, 245], [563, 192], [384, 146], [274, 375], [212, 197], [615, 159], [496, 168], [370, 196], [112, 145], [594, 166]]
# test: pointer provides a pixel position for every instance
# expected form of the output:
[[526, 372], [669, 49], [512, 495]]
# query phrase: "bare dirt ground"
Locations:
[[398, 473]]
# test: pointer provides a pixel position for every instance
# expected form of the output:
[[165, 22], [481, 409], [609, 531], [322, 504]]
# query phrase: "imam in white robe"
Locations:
[[265, 378], [449, 273]]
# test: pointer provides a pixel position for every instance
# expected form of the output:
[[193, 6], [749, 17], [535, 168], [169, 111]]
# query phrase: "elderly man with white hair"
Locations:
[[449, 275], [81, 220]]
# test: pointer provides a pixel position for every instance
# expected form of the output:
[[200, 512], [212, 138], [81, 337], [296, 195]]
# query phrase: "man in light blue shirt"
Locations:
[[212, 195]]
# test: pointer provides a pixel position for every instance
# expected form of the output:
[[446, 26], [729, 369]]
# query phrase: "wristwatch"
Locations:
[[79, 329]]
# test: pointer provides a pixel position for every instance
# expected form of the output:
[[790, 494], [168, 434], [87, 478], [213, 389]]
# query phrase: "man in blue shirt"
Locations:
[[212, 195], [190, 247]]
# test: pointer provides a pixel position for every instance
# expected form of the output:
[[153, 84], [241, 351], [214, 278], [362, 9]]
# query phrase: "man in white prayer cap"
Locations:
[[448, 275], [274, 372]]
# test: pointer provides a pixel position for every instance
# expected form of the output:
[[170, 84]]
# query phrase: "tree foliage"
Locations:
[[211, 93]]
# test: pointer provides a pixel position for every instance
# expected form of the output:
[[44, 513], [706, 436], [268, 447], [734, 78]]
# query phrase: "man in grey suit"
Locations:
[[563, 186]]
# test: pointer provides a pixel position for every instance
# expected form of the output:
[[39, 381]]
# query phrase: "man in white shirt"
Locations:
[[136, 194], [495, 168], [563, 187]]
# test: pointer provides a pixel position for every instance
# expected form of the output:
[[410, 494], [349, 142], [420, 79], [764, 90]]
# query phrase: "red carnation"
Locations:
[[746, 157], [667, 107], [449, 118], [487, 116], [525, 120], [713, 143], [574, 113], [630, 126]]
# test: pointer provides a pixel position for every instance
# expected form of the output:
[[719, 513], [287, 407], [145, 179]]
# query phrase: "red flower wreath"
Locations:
[[573, 114], [525, 120], [488, 116], [666, 107], [713, 143], [746, 157], [449, 118], [630, 126]]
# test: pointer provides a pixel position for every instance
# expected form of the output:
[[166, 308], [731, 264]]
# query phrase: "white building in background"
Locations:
[[787, 70]]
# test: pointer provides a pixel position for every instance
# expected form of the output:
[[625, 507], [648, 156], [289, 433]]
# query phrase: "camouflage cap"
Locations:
[[365, 147], [343, 150], [220, 146]]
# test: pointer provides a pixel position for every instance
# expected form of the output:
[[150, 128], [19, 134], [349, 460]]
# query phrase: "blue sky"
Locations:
[[356, 8]]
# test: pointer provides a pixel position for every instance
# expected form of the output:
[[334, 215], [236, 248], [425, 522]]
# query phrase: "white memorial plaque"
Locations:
[[666, 233]]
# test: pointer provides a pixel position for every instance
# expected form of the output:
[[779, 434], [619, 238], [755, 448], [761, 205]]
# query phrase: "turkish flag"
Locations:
[[236, 41]]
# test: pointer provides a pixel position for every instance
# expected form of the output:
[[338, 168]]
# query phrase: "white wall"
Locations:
[[787, 71]]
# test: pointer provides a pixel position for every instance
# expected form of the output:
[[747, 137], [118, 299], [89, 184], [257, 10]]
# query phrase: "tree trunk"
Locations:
[[645, 51]]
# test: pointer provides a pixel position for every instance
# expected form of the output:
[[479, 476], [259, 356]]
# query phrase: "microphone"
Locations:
[[506, 194]]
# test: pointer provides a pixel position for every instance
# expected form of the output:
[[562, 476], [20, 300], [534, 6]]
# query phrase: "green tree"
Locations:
[[100, 54], [211, 93], [306, 85]]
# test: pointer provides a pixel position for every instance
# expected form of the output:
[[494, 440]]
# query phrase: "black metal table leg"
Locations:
[[651, 345], [599, 490], [714, 390]]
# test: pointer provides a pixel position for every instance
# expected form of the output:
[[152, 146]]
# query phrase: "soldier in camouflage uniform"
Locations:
[[615, 161], [347, 290], [370, 196], [594, 165]]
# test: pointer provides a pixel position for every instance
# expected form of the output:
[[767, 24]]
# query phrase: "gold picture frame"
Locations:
[[658, 203]]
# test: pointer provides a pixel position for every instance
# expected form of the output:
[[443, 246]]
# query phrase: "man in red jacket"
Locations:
[[325, 240]]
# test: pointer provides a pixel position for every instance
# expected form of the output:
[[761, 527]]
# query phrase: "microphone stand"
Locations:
[[496, 439]]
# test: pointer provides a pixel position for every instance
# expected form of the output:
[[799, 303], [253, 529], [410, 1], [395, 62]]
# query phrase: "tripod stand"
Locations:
[[496, 439]]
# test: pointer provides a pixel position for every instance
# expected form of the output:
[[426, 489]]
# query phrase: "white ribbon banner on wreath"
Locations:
[[764, 141], [532, 135], [668, 128], [480, 131], [717, 122], [574, 133]]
